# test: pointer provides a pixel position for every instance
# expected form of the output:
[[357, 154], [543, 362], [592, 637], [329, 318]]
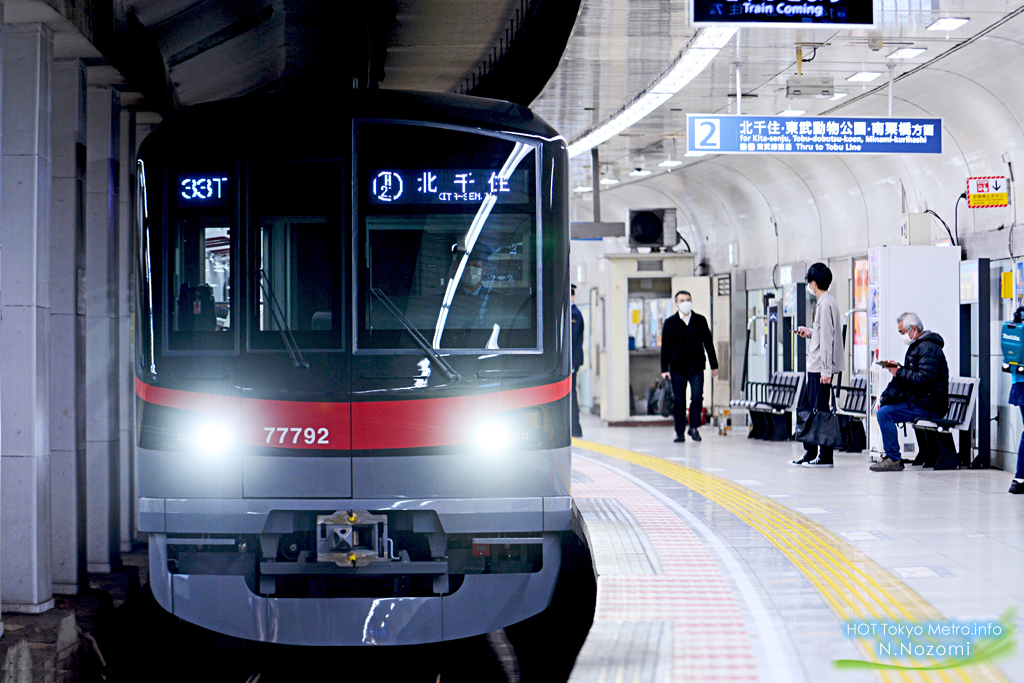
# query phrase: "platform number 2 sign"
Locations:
[[707, 134]]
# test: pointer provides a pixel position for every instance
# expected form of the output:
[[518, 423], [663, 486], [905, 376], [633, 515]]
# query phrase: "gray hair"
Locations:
[[911, 319]]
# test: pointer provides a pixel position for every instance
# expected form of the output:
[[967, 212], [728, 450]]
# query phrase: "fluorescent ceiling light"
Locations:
[[838, 96], [670, 163], [714, 38], [696, 154], [864, 76], [610, 181], [639, 172], [703, 49], [906, 52], [947, 24], [584, 188], [792, 112]]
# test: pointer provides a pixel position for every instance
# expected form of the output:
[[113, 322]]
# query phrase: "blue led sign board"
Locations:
[[203, 189], [715, 134], [446, 186], [782, 12]]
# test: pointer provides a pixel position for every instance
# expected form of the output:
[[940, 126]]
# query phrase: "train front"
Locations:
[[352, 374]]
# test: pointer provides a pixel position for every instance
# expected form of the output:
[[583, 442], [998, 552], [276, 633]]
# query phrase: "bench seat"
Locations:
[[935, 437]]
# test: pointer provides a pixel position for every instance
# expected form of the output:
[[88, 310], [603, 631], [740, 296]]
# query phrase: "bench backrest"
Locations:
[[856, 398], [962, 398], [786, 389]]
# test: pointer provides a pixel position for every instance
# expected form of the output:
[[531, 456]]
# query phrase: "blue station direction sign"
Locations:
[[723, 134]]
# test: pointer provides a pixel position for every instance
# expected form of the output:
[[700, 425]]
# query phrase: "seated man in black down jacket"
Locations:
[[684, 339], [919, 388]]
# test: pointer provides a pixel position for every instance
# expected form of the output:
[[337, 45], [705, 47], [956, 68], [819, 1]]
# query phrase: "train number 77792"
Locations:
[[309, 434]]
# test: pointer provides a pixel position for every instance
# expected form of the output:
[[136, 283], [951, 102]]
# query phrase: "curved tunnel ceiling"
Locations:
[[213, 49], [823, 206]]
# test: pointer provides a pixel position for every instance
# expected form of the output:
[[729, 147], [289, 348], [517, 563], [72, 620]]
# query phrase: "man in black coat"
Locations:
[[919, 388], [685, 338], [577, 361]]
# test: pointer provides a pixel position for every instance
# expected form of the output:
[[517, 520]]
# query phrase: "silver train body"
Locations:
[[352, 374]]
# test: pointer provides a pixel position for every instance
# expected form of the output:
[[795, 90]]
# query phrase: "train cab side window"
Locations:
[[201, 297]]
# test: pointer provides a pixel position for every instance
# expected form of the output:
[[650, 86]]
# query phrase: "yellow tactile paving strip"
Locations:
[[854, 585]]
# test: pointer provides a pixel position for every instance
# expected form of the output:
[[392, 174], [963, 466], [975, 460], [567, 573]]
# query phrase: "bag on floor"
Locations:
[[822, 427]]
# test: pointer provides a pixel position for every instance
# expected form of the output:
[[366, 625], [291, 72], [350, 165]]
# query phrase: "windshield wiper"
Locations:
[[282, 325], [420, 340]]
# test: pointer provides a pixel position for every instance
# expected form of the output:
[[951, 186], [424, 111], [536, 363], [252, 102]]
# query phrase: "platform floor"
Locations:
[[719, 561]]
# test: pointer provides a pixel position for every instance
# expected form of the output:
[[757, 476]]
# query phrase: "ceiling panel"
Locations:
[[621, 47]]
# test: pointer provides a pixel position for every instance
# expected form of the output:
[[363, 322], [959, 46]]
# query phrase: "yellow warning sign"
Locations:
[[987, 192]]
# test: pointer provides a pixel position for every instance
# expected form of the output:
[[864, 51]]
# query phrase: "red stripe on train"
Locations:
[[416, 423], [439, 421]]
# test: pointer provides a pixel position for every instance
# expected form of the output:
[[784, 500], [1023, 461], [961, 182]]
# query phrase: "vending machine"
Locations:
[[926, 281]]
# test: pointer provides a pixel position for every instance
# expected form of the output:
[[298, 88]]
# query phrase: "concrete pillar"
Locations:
[[125, 300], [25, 319], [102, 365], [67, 328]]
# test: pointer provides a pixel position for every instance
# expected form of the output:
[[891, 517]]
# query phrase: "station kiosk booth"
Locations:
[[926, 281], [637, 292]]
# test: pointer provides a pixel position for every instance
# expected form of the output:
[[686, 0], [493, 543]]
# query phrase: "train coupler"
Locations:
[[353, 538]]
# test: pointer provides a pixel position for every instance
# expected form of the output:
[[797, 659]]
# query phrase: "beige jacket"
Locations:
[[826, 352]]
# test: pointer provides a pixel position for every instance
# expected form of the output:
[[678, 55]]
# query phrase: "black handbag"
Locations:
[[822, 427], [666, 397]]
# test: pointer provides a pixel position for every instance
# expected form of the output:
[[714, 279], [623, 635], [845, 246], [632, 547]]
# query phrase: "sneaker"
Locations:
[[694, 434], [577, 433], [679, 439], [1017, 486], [800, 461], [887, 464], [818, 462]]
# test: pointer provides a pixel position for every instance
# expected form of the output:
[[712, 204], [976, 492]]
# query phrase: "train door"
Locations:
[[297, 389]]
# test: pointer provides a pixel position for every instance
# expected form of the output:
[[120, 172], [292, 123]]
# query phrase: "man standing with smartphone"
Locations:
[[825, 358]]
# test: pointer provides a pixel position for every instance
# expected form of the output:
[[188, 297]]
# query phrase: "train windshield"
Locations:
[[295, 227], [202, 247], [448, 242]]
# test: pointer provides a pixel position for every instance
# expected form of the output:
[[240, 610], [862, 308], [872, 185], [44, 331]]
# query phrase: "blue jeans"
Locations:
[[889, 416], [1020, 453]]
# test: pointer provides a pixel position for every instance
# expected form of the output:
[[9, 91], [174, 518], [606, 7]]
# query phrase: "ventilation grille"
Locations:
[[724, 285], [655, 265], [724, 361]]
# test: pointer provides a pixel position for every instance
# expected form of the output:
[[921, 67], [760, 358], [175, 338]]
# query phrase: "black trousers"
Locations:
[[576, 429], [696, 382], [818, 396]]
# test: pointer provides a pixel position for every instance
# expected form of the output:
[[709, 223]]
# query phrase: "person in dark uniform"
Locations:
[[577, 361], [685, 338]]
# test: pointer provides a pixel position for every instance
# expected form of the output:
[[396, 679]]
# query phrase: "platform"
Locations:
[[720, 561]]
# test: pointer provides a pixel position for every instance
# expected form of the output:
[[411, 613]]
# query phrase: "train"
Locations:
[[352, 373]]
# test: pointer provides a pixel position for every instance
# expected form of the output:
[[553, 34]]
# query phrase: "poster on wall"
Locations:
[[860, 300]]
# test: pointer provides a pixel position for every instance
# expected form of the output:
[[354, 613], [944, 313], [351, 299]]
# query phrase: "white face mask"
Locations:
[[906, 338], [686, 307], [473, 275]]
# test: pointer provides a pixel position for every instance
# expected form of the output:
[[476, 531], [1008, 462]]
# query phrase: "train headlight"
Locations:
[[492, 436], [213, 438], [498, 435]]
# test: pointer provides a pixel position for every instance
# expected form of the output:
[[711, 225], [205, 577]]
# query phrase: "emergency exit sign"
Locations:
[[987, 192]]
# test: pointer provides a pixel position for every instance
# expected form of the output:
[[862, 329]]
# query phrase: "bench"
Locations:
[[772, 405], [935, 437], [853, 403]]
